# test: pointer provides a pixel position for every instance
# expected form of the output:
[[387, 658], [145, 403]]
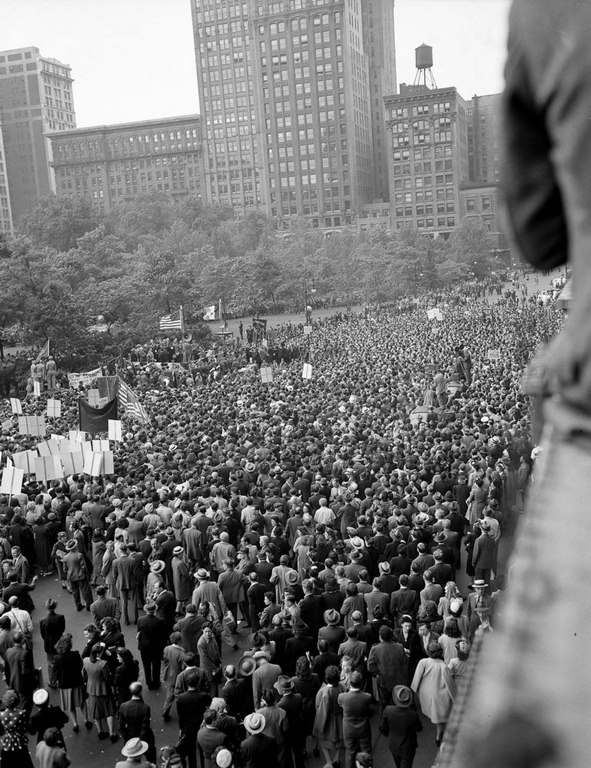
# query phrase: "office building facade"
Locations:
[[429, 143], [35, 97], [113, 163], [6, 224], [484, 138], [284, 89]]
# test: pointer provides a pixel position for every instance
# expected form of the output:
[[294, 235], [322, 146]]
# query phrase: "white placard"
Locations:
[[54, 447], [48, 468], [92, 464], [307, 371], [108, 467], [25, 460], [37, 388], [54, 408], [85, 447], [94, 398], [307, 330], [31, 425], [115, 430], [8, 461], [76, 436], [43, 448], [16, 406], [73, 463], [12, 480], [266, 374], [98, 446]]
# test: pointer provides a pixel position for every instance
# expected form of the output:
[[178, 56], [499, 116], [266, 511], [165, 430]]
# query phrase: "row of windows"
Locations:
[[438, 108]]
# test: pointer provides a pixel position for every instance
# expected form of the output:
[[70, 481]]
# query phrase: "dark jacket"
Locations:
[[152, 634]]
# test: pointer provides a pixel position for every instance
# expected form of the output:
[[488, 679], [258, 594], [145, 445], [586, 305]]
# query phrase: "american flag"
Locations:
[[172, 322], [130, 404]]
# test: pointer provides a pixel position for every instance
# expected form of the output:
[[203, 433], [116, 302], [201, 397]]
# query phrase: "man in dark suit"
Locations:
[[209, 738], [20, 671], [237, 693], [400, 724], [166, 608], [311, 608], [356, 706], [387, 662], [191, 707], [123, 573], [295, 736], [151, 636], [257, 749], [134, 720], [104, 607], [174, 658], [190, 627]]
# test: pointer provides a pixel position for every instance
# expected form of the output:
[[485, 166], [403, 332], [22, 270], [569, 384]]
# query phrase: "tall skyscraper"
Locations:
[[484, 137], [35, 97], [284, 89], [378, 35]]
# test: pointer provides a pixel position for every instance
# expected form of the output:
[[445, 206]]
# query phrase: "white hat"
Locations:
[[40, 696], [223, 759], [134, 747]]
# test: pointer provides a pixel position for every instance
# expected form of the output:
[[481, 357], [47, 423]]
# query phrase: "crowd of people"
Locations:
[[305, 562]]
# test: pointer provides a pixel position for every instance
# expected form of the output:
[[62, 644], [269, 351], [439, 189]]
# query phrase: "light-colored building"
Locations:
[[35, 97], [6, 224], [428, 132], [111, 163], [284, 88]]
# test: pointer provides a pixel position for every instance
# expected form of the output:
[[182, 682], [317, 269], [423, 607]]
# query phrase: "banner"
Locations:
[[86, 379], [95, 420]]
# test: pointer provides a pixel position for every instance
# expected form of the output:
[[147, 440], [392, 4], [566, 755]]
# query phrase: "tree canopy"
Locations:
[[70, 265]]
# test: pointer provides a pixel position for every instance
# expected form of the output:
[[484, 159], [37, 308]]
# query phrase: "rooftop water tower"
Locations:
[[424, 64]]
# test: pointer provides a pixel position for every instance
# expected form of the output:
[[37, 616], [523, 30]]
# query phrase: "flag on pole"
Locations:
[[209, 312], [43, 352], [172, 322], [129, 402]]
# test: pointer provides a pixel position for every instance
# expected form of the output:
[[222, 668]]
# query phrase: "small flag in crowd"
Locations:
[[209, 312], [172, 322], [43, 352], [130, 403]]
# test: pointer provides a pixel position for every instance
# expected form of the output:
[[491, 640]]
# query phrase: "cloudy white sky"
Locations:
[[134, 59]]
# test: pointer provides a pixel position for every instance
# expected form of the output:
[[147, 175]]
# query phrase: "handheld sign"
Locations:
[[12, 480], [307, 371], [267, 374], [16, 406], [115, 430]]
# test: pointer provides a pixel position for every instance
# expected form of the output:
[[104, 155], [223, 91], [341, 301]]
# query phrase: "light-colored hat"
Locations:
[[357, 542], [384, 567], [223, 759], [255, 723], [40, 697], [177, 551], [202, 574], [134, 747], [157, 566], [246, 666], [71, 544]]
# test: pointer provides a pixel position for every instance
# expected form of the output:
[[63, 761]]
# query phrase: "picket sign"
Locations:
[[12, 480], [54, 409], [114, 430], [16, 406], [25, 460], [266, 374], [37, 388], [48, 468], [307, 371]]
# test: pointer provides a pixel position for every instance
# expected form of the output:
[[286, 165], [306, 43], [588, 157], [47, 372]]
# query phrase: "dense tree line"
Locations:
[[69, 265]]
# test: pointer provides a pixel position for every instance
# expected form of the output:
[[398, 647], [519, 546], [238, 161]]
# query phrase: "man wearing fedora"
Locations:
[[388, 665], [77, 575], [151, 636], [123, 573], [264, 676], [295, 734], [104, 607], [257, 749], [182, 579], [357, 710], [400, 723], [134, 752], [173, 661]]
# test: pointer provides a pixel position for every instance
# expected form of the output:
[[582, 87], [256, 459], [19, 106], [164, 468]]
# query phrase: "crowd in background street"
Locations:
[[327, 527]]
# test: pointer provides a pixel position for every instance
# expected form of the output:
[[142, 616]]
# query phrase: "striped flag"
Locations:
[[172, 322], [43, 352], [130, 404]]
